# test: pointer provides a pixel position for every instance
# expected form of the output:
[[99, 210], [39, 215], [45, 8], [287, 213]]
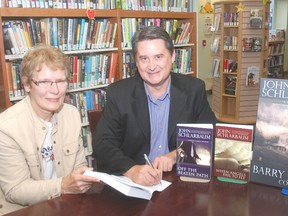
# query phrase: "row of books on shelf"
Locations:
[[157, 5], [240, 153], [275, 72], [66, 33], [275, 61], [249, 44], [276, 35], [129, 68], [179, 31], [276, 49], [86, 100], [230, 19], [71, 4], [230, 42], [150, 5], [85, 71], [92, 70], [183, 61]]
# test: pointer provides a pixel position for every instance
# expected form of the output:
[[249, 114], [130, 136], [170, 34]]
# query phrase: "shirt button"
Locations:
[[67, 151], [54, 142], [1, 206], [160, 146], [43, 128], [58, 162]]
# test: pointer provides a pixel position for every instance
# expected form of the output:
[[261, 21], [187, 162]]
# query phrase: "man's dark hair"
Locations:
[[151, 33]]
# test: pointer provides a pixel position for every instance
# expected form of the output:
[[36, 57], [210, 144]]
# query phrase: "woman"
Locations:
[[41, 150]]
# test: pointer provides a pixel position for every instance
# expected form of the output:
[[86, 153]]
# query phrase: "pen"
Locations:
[[149, 163]]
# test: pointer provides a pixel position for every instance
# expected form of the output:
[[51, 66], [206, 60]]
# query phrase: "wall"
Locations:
[[204, 61]]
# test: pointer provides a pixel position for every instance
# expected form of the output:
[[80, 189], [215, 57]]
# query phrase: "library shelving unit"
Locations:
[[276, 53], [242, 50], [131, 21], [114, 16]]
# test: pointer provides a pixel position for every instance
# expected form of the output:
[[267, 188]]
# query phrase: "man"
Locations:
[[141, 112], [41, 150]]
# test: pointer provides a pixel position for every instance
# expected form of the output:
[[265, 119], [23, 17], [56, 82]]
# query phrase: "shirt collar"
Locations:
[[166, 94]]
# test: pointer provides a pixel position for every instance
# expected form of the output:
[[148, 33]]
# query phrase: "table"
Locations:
[[180, 198]]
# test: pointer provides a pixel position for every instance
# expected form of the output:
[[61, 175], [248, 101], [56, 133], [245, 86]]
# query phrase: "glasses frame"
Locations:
[[51, 83]]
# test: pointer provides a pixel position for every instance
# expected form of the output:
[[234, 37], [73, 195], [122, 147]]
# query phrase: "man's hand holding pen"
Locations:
[[149, 175], [148, 162], [144, 175]]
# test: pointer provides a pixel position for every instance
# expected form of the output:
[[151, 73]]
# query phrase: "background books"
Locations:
[[270, 155], [233, 145], [276, 34], [194, 152], [68, 34]]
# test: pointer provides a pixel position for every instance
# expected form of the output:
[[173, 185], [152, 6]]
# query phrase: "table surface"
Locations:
[[180, 198]]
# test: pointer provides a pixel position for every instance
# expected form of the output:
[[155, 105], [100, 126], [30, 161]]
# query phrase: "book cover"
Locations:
[[247, 44], [8, 41], [270, 155], [194, 152], [215, 44], [256, 18], [127, 187], [216, 24], [233, 146], [230, 84], [257, 44], [113, 67], [252, 78], [215, 68]]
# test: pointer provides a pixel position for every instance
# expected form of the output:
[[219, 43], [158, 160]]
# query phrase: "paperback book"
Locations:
[[230, 84], [194, 152], [256, 18], [233, 146], [252, 78], [270, 155]]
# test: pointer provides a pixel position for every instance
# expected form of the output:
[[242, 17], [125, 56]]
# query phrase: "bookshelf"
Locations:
[[114, 16], [276, 51], [165, 19], [242, 52]]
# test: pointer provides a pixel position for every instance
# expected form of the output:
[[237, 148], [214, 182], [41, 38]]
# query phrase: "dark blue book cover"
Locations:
[[194, 152]]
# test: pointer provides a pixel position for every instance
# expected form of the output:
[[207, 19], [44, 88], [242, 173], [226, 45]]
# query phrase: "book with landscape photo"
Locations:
[[194, 152], [233, 146], [125, 185], [270, 155]]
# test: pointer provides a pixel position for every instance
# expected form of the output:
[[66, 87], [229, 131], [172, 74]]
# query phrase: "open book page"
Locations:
[[127, 187]]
